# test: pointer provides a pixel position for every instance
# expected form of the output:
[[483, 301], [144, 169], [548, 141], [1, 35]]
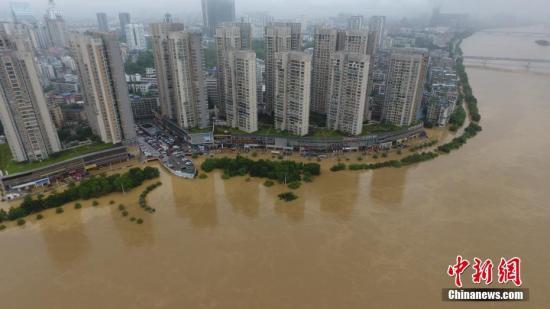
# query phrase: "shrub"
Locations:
[[139, 221], [269, 183], [307, 177], [77, 206], [133, 219], [2, 227], [338, 167], [125, 213], [90, 188], [16, 213], [360, 158], [280, 157], [203, 176], [121, 207], [225, 176], [384, 155], [95, 203], [287, 196], [254, 154], [39, 217], [111, 202], [375, 156], [195, 155], [399, 152], [21, 222], [59, 210], [294, 185]]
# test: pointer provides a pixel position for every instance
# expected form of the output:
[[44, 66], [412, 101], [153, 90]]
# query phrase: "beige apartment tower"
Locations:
[[347, 92], [167, 96], [189, 84], [325, 43], [405, 83], [104, 88], [24, 113], [278, 39], [240, 91], [229, 37], [292, 92]]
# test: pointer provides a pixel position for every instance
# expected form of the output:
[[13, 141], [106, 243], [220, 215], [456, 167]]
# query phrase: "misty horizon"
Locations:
[[190, 10]]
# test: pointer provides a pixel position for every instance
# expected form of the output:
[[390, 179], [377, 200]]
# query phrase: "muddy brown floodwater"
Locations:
[[373, 239]]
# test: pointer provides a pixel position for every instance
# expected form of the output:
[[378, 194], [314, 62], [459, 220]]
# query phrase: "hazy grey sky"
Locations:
[[292, 8]]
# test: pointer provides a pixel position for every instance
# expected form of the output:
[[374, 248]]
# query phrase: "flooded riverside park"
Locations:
[[352, 239]]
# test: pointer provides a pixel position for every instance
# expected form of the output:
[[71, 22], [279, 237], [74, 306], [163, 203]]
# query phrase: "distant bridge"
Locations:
[[529, 64], [528, 60], [519, 33]]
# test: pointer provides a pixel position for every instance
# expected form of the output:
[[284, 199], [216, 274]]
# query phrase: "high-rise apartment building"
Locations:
[[377, 28], [186, 64], [229, 37], [102, 22], [325, 43], [405, 83], [24, 113], [55, 24], [356, 22], [241, 106], [167, 95], [277, 39], [353, 41], [104, 87], [347, 92], [135, 37], [217, 12], [22, 12], [123, 19], [292, 92]]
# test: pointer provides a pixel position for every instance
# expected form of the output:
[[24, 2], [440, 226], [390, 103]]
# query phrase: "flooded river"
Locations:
[[372, 239]]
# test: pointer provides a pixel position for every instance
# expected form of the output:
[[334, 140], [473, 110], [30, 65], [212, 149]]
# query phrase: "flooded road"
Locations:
[[376, 239]]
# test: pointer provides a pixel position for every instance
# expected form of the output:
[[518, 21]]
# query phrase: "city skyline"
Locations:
[[538, 9]]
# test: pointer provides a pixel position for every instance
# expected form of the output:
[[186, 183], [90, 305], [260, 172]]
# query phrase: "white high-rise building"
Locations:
[[24, 113], [347, 92], [325, 43], [353, 41], [405, 84], [186, 64], [277, 39], [240, 90], [135, 37], [102, 22], [217, 12], [229, 37], [104, 87], [292, 89], [356, 22], [167, 96], [377, 28], [55, 25]]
